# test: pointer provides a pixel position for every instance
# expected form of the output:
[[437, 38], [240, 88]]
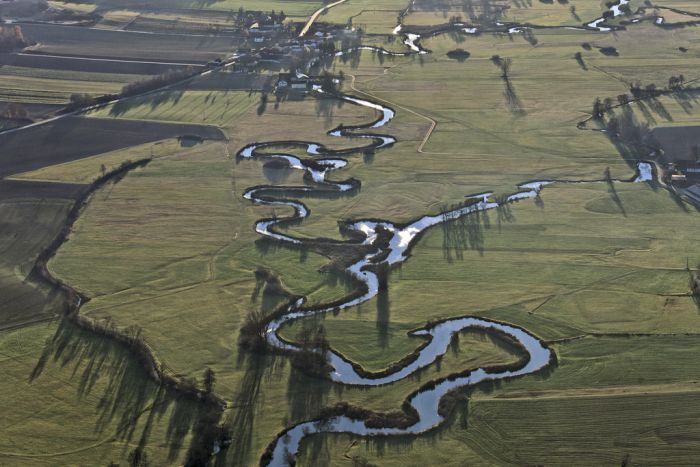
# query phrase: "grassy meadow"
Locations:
[[207, 107], [597, 270], [296, 8], [90, 168], [73, 399], [37, 85], [28, 224]]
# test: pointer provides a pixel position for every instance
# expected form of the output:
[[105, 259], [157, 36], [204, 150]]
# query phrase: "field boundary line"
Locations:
[[433, 123]]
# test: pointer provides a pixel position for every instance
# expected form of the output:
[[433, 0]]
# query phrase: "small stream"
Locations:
[[599, 23], [425, 402], [402, 238]]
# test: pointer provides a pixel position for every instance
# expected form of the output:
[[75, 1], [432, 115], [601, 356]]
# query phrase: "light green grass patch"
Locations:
[[210, 107], [88, 169], [82, 401]]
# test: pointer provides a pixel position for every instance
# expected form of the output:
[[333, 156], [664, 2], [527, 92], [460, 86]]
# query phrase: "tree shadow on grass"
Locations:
[[613, 192], [383, 321], [154, 100], [266, 246], [127, 399], [686, 99], [244, 410], [657, 106], [647, 114], [464, 233], [325, 107], [306, 397]]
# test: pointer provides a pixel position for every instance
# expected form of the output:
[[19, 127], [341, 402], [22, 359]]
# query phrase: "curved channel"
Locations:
[[391, 252], [425, 402], [401, 238]]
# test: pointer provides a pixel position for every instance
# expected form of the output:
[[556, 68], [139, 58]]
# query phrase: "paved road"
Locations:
[[316, 15]]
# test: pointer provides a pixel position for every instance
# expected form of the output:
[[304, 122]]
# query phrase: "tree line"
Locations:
[[81, 100], [12, 38]]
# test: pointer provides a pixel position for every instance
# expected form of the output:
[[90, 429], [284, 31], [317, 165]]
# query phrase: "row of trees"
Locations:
[[158, 81], [676, 83], [503, 63], [244, 18], [638, 92], [80, 100], [647, 92], [12, 38], [15, 111]]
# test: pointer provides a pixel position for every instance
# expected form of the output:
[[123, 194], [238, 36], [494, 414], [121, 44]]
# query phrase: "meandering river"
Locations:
[[401, 238]]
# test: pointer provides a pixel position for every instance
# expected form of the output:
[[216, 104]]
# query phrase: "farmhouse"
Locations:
[[689, 169], [245, 63], [679, 143], [271, 53], [295, 82]]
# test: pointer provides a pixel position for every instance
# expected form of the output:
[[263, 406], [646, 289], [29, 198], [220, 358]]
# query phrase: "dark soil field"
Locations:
[[89, 65], [679, 143], [31, 215], [73, 138], [231, 82], [90, 42], [22, 190]]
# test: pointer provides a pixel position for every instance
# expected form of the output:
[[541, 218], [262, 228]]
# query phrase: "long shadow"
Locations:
[[513, 102], [456, 420], [129, 400], [464, 233], [306, 395], [679, 201], [504, 213], [686, 99], [658, 107], [241, 422], [575, 15], [383, 317], [647, 114], [155, 100], [634, 140], [325, 107], [613, 192]]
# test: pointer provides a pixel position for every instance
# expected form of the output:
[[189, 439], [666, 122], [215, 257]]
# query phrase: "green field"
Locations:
[[600, 271], [28, 224], [37, 85], [372, 17], [88, 169], [94, 388], [210, 107], [296, 8]]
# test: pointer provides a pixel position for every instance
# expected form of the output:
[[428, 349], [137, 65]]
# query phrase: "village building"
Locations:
[[689, 169], [293, 82]]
